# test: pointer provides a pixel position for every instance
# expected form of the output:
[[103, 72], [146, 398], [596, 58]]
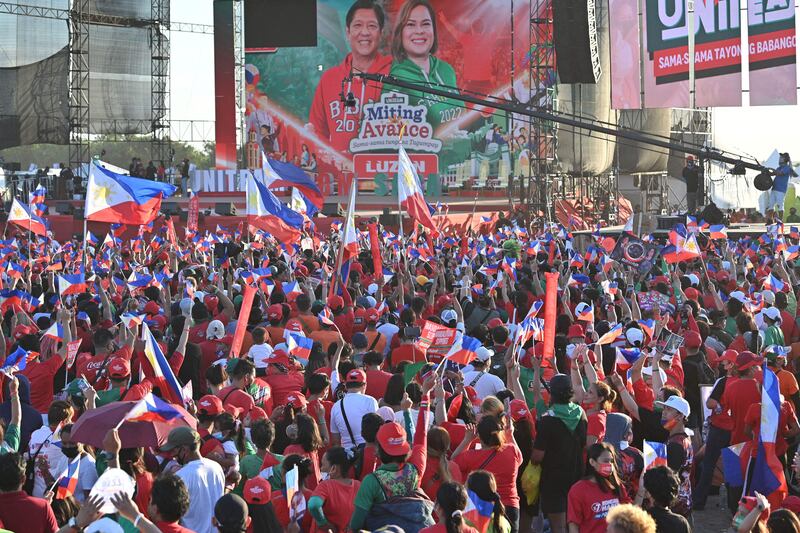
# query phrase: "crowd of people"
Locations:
[[554, 405]]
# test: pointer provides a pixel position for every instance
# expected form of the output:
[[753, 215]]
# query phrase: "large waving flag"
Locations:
[[349, 232], [611, 336], [766, 474], [114, 197], [410, 192], [68, 481], [37, 199], [18, 360], [164, 378], [21, 216], [733, 465], [278, 174], [151, 409], [463, 350], [266, 212]]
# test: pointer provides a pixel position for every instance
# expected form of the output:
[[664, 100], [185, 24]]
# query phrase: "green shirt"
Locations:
[[10, 442], [250, 467], [526, 376], [773, 335], [107, 396], [730, 326]]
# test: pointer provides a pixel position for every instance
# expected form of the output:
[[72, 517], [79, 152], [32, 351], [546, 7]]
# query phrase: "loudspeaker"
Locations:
[[332, 209], [278, 23], [170, 208], [226, 209], [64, 208], [575, 29]]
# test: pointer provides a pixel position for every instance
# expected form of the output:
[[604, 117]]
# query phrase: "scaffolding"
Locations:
[[79, 23], [536, 194], [160, 148]]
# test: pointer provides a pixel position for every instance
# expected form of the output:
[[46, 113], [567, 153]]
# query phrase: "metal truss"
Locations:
[[238, 65], [79, 84], [159, 80]]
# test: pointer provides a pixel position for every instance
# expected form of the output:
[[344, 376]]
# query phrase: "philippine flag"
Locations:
[[611, 336], [767, 471], [584, 312], [266, 212], [55, 332], [21, 216], [151, 409], [298, 346], [648, 326], [349, 233], [734, 463], [130, 321], [410, 192], [278, 174], [114, 197], [655, 454], [478, 512], [71, 284], [163, 376], [18, 360], [772, 283], [463, 350], [68, 481]]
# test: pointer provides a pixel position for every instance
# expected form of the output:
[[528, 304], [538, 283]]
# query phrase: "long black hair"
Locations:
[[483, 484], [611, 483], [452, 499]]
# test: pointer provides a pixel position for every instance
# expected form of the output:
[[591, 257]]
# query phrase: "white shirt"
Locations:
[[205, 482], [388, 330], [356, 405], [56, 461], [487, 385], [87, 477], [260, 353]]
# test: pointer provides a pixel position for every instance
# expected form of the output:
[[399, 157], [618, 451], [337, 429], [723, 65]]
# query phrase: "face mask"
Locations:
[[71, 452], [604, 469], [623, 445], [588, 405], [325, 476], [668, 424], [570, 350], [217, 435], [247, 434]]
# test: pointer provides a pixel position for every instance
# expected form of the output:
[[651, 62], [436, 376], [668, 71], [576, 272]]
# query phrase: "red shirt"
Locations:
[[171, 527], [208, 443], [208, 354], [338, 502], [377, 380], [20, 512], [230, 395], [313, 479], [344, 322], [431, 481], [643, 394], [283, 385], [588, 505], [370, 461], [737, 398], [88, 365], [597, 425], [753, 419], [281, 508], [503, 465], [405, 352], [41, 375]]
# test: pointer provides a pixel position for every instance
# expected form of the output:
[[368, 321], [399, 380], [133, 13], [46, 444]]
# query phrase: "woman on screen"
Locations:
[[413, 45]]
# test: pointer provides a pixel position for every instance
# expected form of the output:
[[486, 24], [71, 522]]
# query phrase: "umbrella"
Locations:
[[92, 426]]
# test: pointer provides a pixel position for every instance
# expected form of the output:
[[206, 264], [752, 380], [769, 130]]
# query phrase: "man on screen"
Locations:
[[329, 117]]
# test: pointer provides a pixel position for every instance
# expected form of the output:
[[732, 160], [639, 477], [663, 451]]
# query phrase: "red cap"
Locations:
[[257, 491], [519, 410], [360, 319], [472, 394], [335, 302], [22, 330], [692, 293], [729, 355], [301, 271], [279, 357], [275, 312], [234, 411], [257, 413], [372, 316], [209, 405], [746, 360], [119, 367], [392, 439], [575, 330], [493, 323], [356, 376], [692, 339], [297, 400], [444, 300], [792, 503], [151, 308], [211, 302], [294, 325]]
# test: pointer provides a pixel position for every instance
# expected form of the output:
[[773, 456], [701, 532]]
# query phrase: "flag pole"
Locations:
[[340, 255]]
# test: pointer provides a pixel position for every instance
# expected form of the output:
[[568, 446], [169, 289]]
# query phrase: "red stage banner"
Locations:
[[375, 247], [194, 213]]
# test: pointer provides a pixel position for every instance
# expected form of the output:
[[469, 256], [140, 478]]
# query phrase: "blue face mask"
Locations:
[[218, 435]]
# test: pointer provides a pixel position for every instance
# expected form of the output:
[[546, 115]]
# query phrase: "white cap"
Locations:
[[677, 403], [647, 370], [372, 288], [739, 295], [448, 315], [693, 279], [484, 354], [773, 314], [634, 335], [186, 306], [215, 330], [371, 300], [387, 413], [768, 296], [104, 525]]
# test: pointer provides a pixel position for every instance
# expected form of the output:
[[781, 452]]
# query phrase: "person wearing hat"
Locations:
[[558, 447], [243, 380], [696, 372], [347, 413], [479, 378], [258, 495], [343, 315], [773, 334], [119, 374], [400, 473], [376, 341], [230, 514], [680, 454], [204, 478], [720, 425]]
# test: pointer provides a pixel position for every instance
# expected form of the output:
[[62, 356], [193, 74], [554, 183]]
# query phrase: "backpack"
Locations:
[[705, 375], [412, 512]]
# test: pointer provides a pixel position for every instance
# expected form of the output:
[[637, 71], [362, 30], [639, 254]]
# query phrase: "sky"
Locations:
[[752, 131]]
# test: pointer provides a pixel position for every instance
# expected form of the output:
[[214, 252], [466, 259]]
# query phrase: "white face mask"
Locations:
[[570, 350], [247, 434], [623, 445], [325, 476]]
